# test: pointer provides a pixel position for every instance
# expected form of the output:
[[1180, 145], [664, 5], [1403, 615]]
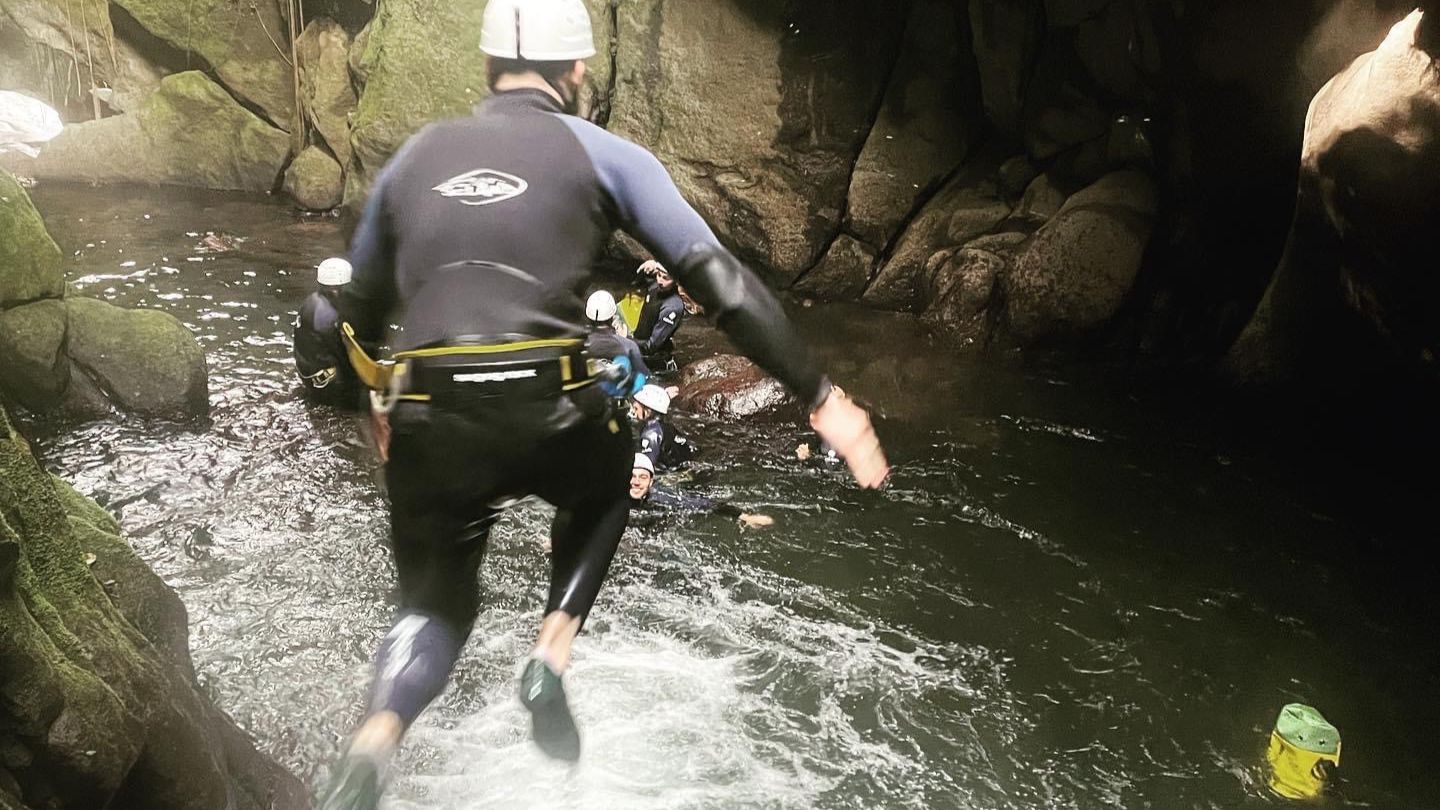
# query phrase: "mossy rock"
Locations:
[[238, 39], [315, 180], [29, 259], [33, 369], [105, 717], [420, 61], [190, 132], [145, 360]]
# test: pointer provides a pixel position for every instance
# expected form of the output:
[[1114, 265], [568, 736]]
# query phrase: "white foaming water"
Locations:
[[717, 694]]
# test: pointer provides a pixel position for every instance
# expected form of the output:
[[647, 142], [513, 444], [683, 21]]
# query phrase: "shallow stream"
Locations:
[[1065, 598]]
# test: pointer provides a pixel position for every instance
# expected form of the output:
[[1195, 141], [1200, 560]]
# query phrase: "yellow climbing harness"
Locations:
[[388, 376]]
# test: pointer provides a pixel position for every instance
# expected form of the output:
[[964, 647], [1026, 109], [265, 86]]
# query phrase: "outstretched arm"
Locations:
[[649, 206]]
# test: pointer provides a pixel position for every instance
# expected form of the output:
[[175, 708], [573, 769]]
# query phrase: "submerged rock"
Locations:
[[728, 385], [98, 713], [190, 132], [29, 258]]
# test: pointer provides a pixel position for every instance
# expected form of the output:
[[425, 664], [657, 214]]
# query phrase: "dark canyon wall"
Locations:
[[1083, 173]]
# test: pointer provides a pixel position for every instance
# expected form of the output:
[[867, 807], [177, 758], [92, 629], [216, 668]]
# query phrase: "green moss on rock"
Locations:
[[33, 369], [146, 360], [29, 258], [190, 132], [241, 40]]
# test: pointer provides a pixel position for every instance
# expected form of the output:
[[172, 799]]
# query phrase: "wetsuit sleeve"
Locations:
[[370, 296], [649, 207], [664, 498], [665, 326]]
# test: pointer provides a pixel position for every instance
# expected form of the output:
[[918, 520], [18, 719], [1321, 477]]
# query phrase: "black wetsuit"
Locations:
[[664, 499], [483, 230], [320, 356], [655, 330], [605, 343], [664, 445]]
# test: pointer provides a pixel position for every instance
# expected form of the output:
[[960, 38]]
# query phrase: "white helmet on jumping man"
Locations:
[[654, 398], [333, 272], [537, 30], [601, 307]]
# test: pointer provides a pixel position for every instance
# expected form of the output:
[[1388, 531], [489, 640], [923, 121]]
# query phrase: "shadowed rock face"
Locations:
[[98, 712], [824, 141], [1363, 240]]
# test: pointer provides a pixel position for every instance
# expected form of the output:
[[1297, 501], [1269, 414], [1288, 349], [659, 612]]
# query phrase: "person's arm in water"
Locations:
[[646, 203], [665, 498]]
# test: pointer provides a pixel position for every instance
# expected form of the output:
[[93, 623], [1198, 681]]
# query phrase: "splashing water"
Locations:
[[1057, 603]]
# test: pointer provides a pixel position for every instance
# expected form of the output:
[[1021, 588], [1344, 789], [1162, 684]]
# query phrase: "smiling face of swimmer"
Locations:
[[640, 481]]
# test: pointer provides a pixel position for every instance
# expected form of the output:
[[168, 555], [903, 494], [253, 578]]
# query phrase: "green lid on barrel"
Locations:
[[1306, 729]]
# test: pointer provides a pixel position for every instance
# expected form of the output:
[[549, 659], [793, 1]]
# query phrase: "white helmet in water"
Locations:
[[333, 272], [601, 307], [642, 462], [654, 398], [537, 30]]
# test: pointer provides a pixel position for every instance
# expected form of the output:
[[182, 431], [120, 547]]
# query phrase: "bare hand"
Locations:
[[651, 267], [750, 521], [803, 451], [847, 428]]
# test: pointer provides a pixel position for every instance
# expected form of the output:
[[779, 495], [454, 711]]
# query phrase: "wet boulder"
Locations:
[[240, 41], [189, 132], [963, 290], [33, 366], [1362, 245], [29, 258], [841, 274], [757, 109], [326, 93], [145, 361], [1075, 273], [728, 385], [98, 714], [315, 180], [965, 209], [924, 127]]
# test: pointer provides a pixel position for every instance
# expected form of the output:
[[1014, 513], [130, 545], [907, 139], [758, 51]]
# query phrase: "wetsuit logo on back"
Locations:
[[485, 185]]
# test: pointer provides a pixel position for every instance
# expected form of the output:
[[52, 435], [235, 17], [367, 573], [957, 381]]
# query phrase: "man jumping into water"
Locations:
[[482, 231]]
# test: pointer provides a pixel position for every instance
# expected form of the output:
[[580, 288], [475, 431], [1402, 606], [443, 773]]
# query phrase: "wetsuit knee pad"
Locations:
[[414, 663]]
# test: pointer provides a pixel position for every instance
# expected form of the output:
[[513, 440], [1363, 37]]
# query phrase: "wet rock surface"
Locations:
[[190, 132], [1362, 244], [102, 705], [83, 356], [728, 385]]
